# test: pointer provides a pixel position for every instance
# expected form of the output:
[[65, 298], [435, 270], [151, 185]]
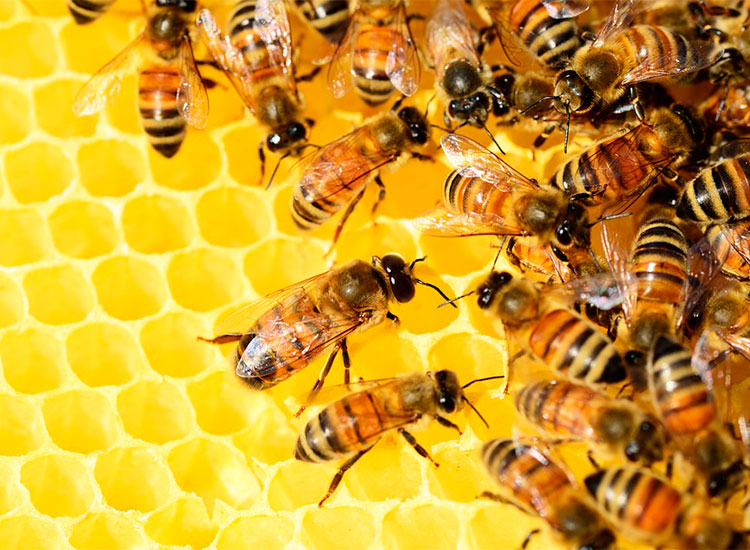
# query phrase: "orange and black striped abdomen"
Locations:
[[643, 44], [611, 170], [554, 41], [86, 11], [157, 103], [570, 345], [282, 341], [350, 425], [560, 407], [470, 195], [682, 397], [328, 17], [721, 238], [374, 42], [244, 38], [636, 501], [718, 194]]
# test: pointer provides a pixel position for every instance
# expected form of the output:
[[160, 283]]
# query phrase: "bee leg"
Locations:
[[542, 138], [309, 76], [447, 423], [637, 105], [417, 447], [528, 538], [669, 470], [447, 120], [500, 499], [262, 157], [222, 338], [337, 478], [419, 156], [381, 196], [347, 213], [320, 380], [390, 316], [347, 361], [592, 460], [512, 257], [486, 37]]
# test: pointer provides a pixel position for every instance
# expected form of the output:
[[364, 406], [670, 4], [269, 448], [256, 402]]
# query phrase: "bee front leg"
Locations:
[[391, 317], [447, 423], [321, 379], [222, 338], [347, 361], [500, 499], [340, 474], [381, 197], [528, 538], [347, 213], [417, 447], [309, 76], [262, 157]]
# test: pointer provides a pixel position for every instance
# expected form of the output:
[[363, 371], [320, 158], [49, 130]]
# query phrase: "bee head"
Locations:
[[647, 444], [726, 481], [573, 230], [286, 136], [419, 130], [491, 286], [450, 396], [400, 277], [572, 93], [473, 110], [166, 28]]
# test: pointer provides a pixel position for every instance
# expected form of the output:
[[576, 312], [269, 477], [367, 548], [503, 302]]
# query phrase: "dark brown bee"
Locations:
[[645, 508], [86, 11], [533, 482], [171, 92], [351, 426], [284, 332], [684, 403], [569, 410], [720, 193], [377, 53], [328, 17]]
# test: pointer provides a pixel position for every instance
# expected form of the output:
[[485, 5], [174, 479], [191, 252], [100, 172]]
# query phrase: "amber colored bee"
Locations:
[[257, 58], [352, 425], [486, 196], [684, 403], [337, 174], [555, 336], [540, 487], [327, 17], [621, 166], [284, 332], [646, 508], [377, 53], [731, 243], [86, 11], [570, 410], [171, 92], [463, 79], [720, 193], [622, 56]]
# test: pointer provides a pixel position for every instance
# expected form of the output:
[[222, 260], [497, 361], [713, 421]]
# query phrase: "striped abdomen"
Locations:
[[561, 407], [371, 49], [281, 340], [659, 264], [244, 38], [637, 502], [86, 11], [722, 238], [157, 102], [718, 194], [470, 195], [572, 346], [611, 170], [554, 41], [329, 17], [681, 396], [352, 424]]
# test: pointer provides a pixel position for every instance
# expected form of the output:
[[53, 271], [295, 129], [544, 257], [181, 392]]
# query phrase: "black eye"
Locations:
[[296, 131], [632, 451], [446, 402], [393, 263], [454, 107], [716, 485], [562, 234], [480, 100], [275, 141], [505, 83], [402, 287], [418, 134]]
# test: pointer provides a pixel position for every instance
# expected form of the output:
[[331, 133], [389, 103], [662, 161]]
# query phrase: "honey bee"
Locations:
[[537, 485], [463, 79], [621, 57], [284, 332], [731, 243], [257, 59], [555, 336], [171, 92], [87, 11], [351, 426], [328, 17], [337, 175], [644, 507], [377, 53], [567, 409], [720, 193], [684, 403], [486, 196]]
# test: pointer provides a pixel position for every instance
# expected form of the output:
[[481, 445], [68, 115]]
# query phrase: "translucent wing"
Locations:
[[272, 25], [340, 69], [738, 236], [192, 98], [105, 83], [740, 344], [617, 255], [337, 391], [474, 160], [450, 35], [402, 66], [600, 290], [442, 223], [701, 55], [565, 9], [703, 265], [516, 52], [619, 18]]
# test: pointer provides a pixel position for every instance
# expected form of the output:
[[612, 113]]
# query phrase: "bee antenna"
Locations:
[[456, 299], [398, 103], [493, 138], [427, 105], [481, 380], [436, 290], [593, 257], [607, 218], [446, 130], [538, 101], [411, 265], [499, 251], [567, 128], [473, 408], [275, 169]]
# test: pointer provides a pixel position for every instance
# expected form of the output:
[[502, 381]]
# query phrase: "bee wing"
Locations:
[[703, 265], [272, 25], [619, 18], [474, 160], [450, 35], [600, 290], [337, 391], [402, 66], [617, 257], [736, 235], [442, 223], [192, 98], [565, 9], [340, 69], [701, 55], [229, 58], [106, 81], [516, 52]]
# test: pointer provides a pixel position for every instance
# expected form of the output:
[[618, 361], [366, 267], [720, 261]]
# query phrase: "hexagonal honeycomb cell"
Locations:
[[120, 430]]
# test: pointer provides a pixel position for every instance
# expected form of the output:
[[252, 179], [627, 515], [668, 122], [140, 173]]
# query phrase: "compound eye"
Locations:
[[455, 106], [296, 131], [402, 287], [505, 83], [480, 100], [275, 141], [418, 135], [446, 402], [562, 234], [393, 263]]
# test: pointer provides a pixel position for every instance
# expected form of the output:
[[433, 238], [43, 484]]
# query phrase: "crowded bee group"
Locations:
[[624, 302]]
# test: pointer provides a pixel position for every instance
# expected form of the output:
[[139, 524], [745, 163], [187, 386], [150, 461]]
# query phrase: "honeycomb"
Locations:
[[119, 429]]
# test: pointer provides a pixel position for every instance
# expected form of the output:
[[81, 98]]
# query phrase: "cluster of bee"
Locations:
[[632, 260]]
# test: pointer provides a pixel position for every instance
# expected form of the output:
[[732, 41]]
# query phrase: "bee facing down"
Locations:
[[351, 426], [282, 333], [171, 92]]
